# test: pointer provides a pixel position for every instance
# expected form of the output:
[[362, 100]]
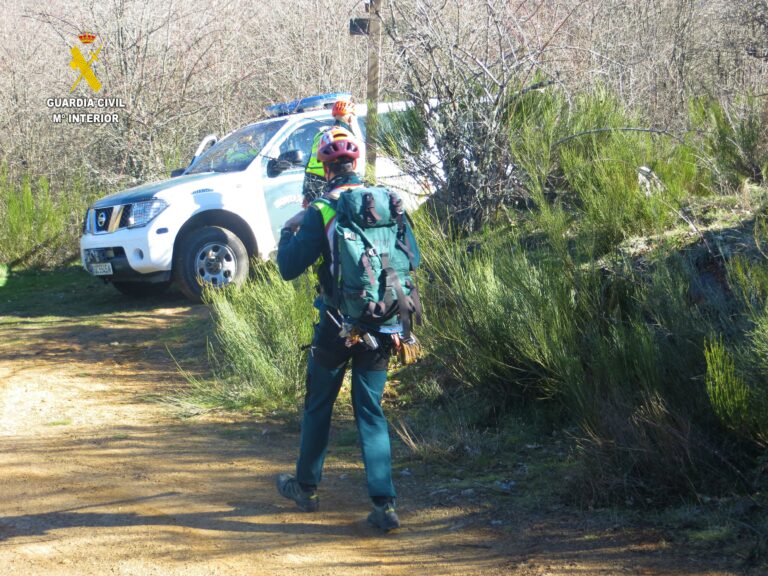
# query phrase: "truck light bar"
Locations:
[[306, 104]]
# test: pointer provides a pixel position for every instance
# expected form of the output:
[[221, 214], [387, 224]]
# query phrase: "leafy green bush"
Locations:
[[587, 155], [737, 371], [496, 327]]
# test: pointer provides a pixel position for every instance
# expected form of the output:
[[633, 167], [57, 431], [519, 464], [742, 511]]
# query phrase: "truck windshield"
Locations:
[[237, 151]]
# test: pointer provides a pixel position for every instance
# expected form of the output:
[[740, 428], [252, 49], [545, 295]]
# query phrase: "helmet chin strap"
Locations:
[[330, 175]]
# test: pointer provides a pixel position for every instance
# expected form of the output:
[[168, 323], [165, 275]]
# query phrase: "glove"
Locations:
[[294, 222]]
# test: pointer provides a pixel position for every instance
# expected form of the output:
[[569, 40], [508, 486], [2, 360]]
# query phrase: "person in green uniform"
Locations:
[[242, 152], [306, 239], [314, 176]]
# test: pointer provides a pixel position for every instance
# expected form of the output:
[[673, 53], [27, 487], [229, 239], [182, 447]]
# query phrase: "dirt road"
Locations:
[[98, 479]]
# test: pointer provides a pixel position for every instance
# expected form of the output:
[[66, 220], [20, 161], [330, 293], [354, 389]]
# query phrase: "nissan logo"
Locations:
[[101, 219]]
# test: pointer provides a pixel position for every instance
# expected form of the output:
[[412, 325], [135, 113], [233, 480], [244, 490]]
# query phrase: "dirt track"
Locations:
[[98, 480]]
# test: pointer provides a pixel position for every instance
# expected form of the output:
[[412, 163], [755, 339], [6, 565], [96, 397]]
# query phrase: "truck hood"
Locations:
[[167, 189]]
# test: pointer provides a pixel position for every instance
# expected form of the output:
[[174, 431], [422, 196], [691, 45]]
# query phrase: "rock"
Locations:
[[504, 486]]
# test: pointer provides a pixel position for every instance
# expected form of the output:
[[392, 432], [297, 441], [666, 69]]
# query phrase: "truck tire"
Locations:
[[209, 256], [141, 289]]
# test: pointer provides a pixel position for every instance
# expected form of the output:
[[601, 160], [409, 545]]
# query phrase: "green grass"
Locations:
[[63, 291], [63, 422], [734, 141], [711, 535], [30, 291]]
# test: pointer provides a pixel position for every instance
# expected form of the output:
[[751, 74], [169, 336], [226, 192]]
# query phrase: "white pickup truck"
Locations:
[[205, 224]]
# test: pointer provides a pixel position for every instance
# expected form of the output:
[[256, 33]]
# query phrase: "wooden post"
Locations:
[[372, 95]]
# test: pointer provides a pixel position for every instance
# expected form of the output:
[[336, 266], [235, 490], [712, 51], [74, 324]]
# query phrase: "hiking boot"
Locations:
[[384, 517], [306, 500]]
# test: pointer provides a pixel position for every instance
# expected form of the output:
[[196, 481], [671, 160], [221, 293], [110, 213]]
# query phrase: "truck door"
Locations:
[[282, 187]]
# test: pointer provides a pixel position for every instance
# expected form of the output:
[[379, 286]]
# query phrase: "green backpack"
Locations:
[[375, 254]]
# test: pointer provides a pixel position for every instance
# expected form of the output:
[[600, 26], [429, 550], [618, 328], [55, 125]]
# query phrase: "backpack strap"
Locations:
[[404, 308], [404, 243], [416, 299], [405, 247], [369, 210], [327, 213], [403, 238], [366, 262]]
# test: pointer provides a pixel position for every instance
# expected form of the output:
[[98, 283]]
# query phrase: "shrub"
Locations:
[[40, 224], [733, 141], [618, 346], [585, 155], [261, 333], [727, 391]]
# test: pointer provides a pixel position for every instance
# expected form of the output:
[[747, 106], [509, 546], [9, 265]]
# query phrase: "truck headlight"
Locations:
[[142, 213]]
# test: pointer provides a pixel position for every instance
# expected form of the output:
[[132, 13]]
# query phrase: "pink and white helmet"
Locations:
[[337, 143]]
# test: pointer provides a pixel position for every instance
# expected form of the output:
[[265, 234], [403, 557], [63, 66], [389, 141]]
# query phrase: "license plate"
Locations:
[[101, 269]]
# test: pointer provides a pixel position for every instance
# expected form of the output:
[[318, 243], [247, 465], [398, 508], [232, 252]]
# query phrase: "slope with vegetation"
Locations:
[[594, 250]]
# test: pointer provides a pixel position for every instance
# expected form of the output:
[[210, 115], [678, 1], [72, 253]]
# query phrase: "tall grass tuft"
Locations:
[[728, 393], [261, 332]]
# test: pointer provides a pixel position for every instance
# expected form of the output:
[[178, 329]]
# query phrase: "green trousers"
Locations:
[[328, 362]]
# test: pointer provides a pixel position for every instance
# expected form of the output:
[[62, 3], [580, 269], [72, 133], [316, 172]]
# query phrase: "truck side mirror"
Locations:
[[178, 172], [292, 157], [285, 161]]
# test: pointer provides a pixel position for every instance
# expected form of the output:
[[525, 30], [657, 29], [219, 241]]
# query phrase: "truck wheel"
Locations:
[[141, 289], [209, 256]]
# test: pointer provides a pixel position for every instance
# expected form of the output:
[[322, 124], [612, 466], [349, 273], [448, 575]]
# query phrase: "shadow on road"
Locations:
[[70, 292]]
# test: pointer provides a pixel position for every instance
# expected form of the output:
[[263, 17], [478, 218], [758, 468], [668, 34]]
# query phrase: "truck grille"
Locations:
[[109, 219], [102, 218], [126, 216]]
